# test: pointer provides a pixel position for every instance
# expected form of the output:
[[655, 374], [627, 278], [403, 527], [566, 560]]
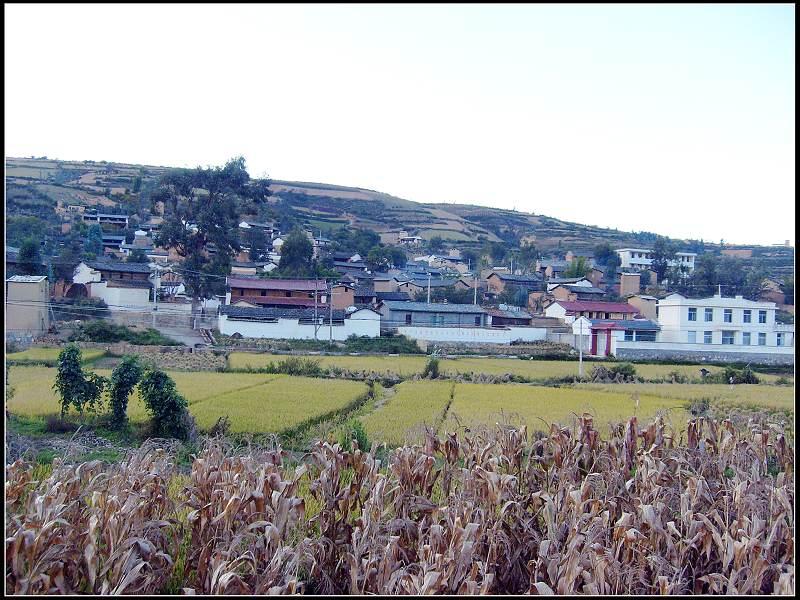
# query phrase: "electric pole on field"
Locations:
[[475, 289], [580, 350], [429, 287]]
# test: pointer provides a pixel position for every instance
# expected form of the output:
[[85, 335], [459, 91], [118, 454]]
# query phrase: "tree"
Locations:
[[30, 260], [137, 256], [123, 379], [94, 241], [514, 295], [663, 254], [166, 406], [296, 254], [472, 257], [76, 388], [436, 244], [257, 241], [579, 267], [379, 258], [788, 290], [201, 209], [527, 257], [399, 257], [607, 258], [451, 294]]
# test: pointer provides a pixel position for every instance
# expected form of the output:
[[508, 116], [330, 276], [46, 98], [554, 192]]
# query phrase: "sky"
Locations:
[[674, 119]]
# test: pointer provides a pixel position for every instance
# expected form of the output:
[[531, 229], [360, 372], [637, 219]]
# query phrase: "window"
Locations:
[[762, 316], [693, 314], [709, 314], [691, 337], [747, 317], [779, 339], [762, 339], [646, 336], [241, 292], [745, 338], [629, 335], [727, 315], [477, 321], [288, 294], [607, 316], [706, 337], [263, 292], [408, 319], [728, 337]]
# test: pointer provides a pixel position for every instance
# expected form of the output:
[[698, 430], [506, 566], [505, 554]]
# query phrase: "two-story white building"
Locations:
[[642, 258]]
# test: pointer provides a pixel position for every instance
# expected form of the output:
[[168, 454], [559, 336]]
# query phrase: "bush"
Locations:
[[123, 379], [625, 369], [221, 427], [677, 377], [108, 332], [353, 430], [54, 424], [76, 388], [165, 405], [431, 368], [736, 376], [296, 365], [70, 309], [394, 344]]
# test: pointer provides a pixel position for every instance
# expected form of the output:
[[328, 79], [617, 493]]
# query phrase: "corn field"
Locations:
[[493, 511]]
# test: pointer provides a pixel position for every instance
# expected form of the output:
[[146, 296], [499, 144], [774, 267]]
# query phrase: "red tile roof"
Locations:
[[301, 285], [597, 306]]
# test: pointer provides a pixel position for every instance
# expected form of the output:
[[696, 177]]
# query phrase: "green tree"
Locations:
[[379, 258], [201, 210], [663, 254], [788, 290], [166, 406], [579, 267], [296, 255], [436, 244], [606, 258], [527, 257], [137, 256], [94, 241], [30, 260], [123, 379], [76, 388], [514, 295], [257, 242]]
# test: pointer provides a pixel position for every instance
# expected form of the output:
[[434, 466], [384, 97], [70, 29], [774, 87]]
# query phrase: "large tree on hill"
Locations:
[[201, 211], [579, 267], [256, 240], [30, 259], [296, 255], [663, 254], [94, 241]]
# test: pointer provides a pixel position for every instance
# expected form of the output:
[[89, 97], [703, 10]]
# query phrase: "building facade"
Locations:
[[642, 258], [27, 298]]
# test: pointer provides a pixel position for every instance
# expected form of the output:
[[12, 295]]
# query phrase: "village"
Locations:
[[602, 313]]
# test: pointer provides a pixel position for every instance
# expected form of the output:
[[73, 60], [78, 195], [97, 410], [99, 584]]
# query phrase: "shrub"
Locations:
[[626, 369], [123, 379], [677, 377], [54, 424], [165, 405], [221, 427], [782, 381], [395, 344], [736, 376], [431, 368], [353, 430], [296, 365], [108, 332], [81, 390]]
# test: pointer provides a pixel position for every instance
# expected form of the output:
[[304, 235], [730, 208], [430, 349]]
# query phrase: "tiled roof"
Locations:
[[129, 283], [433, 307], [529, 279], [581, 289], [401, 296], [508, 314], [27, 278], [638, 324], [118, 266], [276, 284], [597, 306], [276, 312]]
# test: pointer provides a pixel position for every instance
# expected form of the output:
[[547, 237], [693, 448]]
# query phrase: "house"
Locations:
[[772, 291], [629, 283], [506, 315], [298, 323], [414, 286], [392, 236], [123, 286], [386, 283], [551, 267], [646, 305], [641, 258], [596, 276], [497, 282], [409, 240], [721, 321], [576, 292], [342, 295], [579, 281], [365, 294], [27, 300], [284, 293], [350, 267], [395, 314], [105, 220], [113, 242], [569, 311], [604, 333], [398, 296]]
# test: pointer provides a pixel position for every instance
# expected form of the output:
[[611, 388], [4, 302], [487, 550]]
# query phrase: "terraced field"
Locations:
[[50, 355]]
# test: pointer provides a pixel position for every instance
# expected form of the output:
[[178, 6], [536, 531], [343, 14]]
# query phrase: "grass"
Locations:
[[486, 404], [50, 355], [280, 405], [401, 420]]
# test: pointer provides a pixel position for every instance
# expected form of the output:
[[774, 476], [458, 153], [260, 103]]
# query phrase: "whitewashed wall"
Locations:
[[121, 299], [361, 323], [475, 335]]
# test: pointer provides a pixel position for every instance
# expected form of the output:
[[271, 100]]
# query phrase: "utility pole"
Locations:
[[475, 289], [330, 315], [316, 292], [429, 287], [512, 266], [156, 284], [580, 350]]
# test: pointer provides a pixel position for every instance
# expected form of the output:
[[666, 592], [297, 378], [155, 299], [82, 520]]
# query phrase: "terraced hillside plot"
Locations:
[[771, 397], [403, 364], [402, 419], [50, 355], [281, 404], [487, 404]]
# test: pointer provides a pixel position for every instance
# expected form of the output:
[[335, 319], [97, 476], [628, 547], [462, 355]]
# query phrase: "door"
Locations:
[[594, 342]]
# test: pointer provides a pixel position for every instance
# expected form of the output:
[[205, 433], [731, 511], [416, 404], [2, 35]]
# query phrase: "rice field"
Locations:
[[486, 404], [402, 418], [401, 364], [255, 403], [531, 369], [50, 355]]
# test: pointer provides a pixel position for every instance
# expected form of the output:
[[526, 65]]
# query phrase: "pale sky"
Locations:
[[673, 119]]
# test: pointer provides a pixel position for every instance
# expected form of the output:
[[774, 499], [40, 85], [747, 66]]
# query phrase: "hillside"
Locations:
[[38, 186]]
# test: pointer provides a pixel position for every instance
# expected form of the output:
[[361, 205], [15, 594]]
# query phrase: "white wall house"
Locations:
[[642, 258], [718, 320], [295, 324]]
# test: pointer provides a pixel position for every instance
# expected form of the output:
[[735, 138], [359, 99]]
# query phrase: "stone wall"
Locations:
[[542, 349], [167, 357], [701, 357]]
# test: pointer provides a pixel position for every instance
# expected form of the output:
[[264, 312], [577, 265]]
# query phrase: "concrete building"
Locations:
[[27, 298], [569, 311], [298, 323], [646, 305], [641, 258], [395, 314], [105, 220]]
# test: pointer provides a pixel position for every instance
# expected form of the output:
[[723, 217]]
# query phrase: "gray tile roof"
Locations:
[[433, 307], [120, 267], [276, 313]]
